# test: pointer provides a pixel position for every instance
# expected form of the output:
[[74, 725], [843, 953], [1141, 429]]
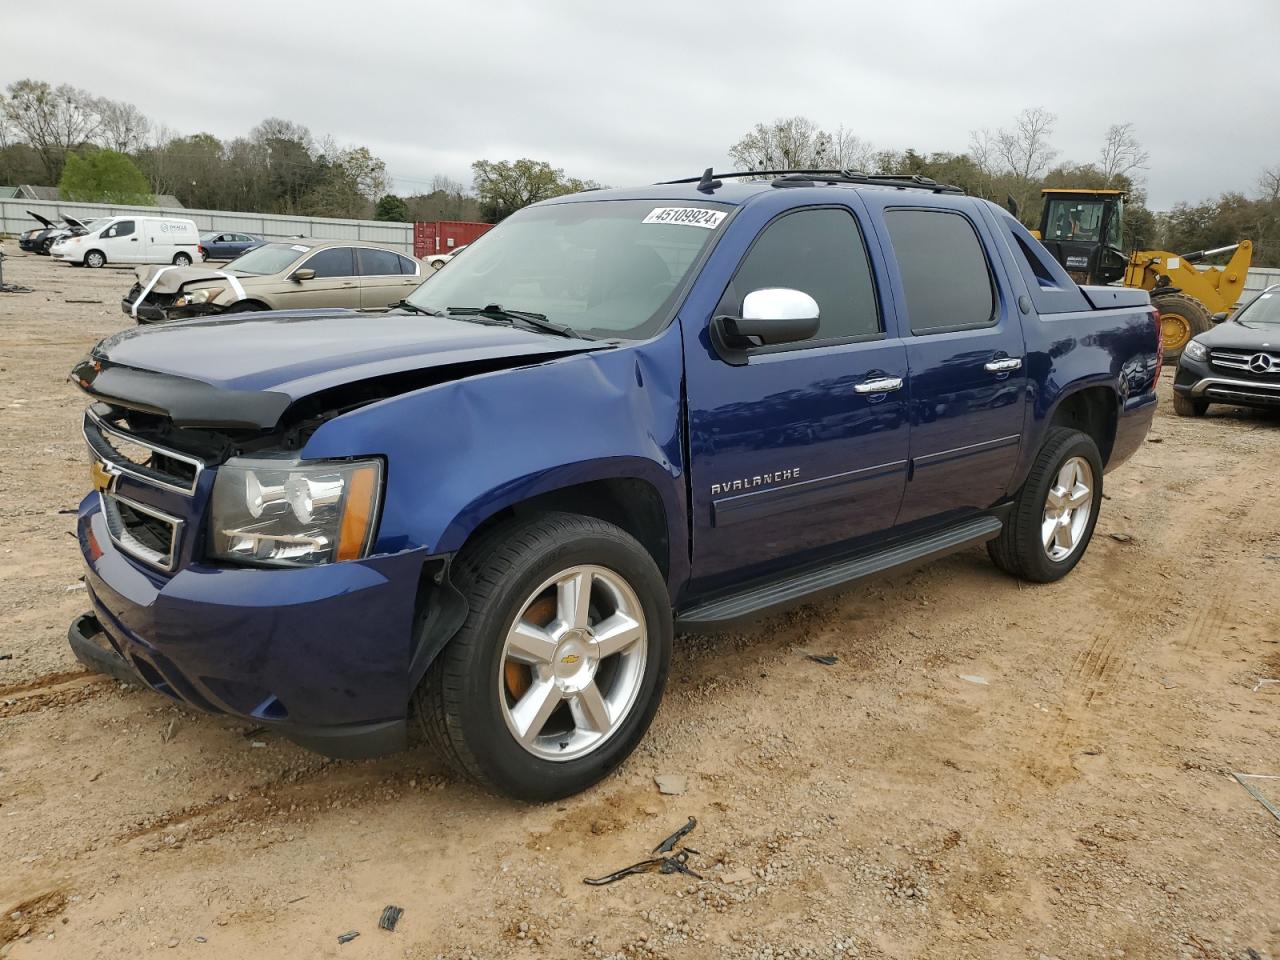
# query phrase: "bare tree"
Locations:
[[1269, 184], [1025, 150], [124, 128], [1122, 154], [797, 143], [53, 120]]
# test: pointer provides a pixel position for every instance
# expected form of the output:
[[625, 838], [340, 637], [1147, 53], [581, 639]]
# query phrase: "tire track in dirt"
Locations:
[[29, 915], [53, 690]]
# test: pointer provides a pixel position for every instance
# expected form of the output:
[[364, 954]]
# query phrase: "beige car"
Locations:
[[290, 275]]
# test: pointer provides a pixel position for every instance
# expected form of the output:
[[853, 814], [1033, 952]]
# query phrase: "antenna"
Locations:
[[708, 183]]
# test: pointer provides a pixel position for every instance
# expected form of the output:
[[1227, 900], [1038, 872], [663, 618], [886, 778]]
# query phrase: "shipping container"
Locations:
[[445, 236]]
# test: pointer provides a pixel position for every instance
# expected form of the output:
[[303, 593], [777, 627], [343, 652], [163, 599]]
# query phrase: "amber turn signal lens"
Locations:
[[357, 517]]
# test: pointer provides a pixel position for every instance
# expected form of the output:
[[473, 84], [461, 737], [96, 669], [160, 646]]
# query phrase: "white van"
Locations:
[[132, 239]]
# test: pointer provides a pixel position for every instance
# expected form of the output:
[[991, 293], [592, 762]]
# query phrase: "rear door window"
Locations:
[[334, 262], [407, 266], [819, 252], [944, 270], [378, 263]]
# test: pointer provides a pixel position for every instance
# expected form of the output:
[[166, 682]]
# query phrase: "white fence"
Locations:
[[399, 236]]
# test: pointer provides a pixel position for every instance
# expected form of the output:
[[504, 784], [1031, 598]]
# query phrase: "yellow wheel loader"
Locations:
[[1084, 230]]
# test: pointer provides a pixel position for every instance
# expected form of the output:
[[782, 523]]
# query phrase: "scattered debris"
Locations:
[[297, 899], [676, 864], [974, 678], [390, 917], [669, 844], [672, 784], [6, 656], [1167, 683], [202, 939], [169, 730], [679, 863], [1121, 537], [1262, 682], [1244, 778], [253, 732], [741, 875], [825, 659], [348, 936], [257, 743], [1155, 439], [69, 510], [75, 586], [81, 301]]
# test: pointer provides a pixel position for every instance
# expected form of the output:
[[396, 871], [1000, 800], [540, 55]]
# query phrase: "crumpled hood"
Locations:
[[171, 279], [245, 370]]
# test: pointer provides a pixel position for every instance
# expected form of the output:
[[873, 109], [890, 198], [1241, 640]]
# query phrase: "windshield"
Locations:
[[1074, 220], [268, 259], [606, 268], [1264, 310]]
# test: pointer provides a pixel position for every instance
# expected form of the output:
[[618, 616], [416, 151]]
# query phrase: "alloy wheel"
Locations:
[[573, 663], [1067, 509]]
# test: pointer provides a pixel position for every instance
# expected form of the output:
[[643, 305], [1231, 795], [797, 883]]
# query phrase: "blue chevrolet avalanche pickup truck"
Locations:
[[483, 514]]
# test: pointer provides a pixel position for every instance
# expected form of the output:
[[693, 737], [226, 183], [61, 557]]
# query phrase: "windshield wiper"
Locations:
[[414, 308], [536, 320]]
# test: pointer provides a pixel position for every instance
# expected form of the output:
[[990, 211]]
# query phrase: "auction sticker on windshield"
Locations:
[[686, 216]]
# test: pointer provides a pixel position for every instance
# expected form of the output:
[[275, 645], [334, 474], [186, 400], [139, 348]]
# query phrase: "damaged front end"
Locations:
[[230, 571]]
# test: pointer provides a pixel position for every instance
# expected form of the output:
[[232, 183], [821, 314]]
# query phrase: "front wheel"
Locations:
[[559, 667], [182, 259], [1053, 517], [95, 259], [1187, 407], [1181, 318]]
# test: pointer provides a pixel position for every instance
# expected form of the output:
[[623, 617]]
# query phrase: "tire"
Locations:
[[182, 259], [204, 256], [1181, 318], [95, 259], [1187, 407], [1021, 548], [469, 704]]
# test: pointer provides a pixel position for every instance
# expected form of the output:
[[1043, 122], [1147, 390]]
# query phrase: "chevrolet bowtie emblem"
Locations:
[[570, 658], [100, 475]]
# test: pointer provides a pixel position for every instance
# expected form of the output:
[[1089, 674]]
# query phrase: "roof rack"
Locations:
[[709, 181]]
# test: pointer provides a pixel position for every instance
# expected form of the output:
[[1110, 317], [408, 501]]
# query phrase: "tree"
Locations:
[[392, 208], [103, 176], [1025, 149], [797, 143], [52, 120], [505, 186], [1269, 184], [1122, 154], [448, 200], [123, 126]]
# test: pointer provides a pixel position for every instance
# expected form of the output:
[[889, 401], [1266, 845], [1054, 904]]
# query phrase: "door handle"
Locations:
[[1003, 365], [879, 385], [133, 239]]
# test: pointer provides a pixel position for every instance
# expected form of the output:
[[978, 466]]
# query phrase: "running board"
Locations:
[[806, 585]]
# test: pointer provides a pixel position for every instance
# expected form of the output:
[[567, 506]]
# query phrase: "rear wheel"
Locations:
[[1187, 407], [1181, 318], [1055, 512], [95, 259], [558, 669]]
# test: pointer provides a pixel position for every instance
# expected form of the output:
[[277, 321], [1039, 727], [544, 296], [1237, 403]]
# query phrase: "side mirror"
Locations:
[[769, 316], [306, 273], [1219, 317]]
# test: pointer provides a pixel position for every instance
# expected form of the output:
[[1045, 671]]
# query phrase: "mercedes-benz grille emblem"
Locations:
[[1261, 363]]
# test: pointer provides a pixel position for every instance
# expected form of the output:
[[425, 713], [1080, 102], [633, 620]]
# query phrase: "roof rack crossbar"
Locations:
[[798, 177]]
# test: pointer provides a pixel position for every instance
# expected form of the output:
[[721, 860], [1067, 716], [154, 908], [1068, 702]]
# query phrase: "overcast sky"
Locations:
[[634, 92]]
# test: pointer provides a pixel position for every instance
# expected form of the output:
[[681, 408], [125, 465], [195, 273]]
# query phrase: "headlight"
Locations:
[[294, 513], [1195, 350], [204, 295]]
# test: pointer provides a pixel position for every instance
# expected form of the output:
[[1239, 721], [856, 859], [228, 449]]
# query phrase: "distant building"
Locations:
[[26, 191]]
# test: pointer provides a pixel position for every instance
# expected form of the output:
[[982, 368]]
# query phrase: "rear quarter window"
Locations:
[[944, 270]]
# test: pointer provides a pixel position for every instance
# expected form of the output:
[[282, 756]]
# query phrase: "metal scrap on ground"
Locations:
[[390, 917], [662, 864], [1244, 778]]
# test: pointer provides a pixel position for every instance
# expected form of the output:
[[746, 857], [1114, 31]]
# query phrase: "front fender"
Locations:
[[459, 452]]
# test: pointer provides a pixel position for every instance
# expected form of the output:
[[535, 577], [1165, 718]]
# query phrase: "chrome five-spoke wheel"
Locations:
[[572, 663], [1067, 509]]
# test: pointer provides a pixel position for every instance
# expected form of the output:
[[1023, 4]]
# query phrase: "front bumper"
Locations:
[[320, 654], [1200, 381], [155, 313]]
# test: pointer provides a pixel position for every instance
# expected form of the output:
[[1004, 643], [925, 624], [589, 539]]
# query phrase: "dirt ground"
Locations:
[[1078, 803]]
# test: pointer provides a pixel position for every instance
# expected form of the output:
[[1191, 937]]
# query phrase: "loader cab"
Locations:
[[1083, 229]]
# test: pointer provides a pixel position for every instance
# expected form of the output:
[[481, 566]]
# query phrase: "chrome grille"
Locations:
[[141, 459], [144, 532], [1244, 360]]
